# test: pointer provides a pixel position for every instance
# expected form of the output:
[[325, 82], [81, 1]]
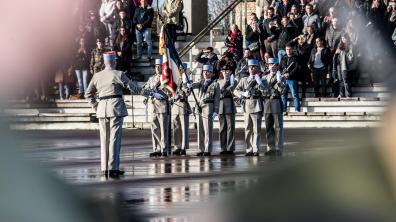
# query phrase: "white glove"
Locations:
[[158, 96], [232, 80], [184, 78], [214, 115], [258, 79], [221, 95], [246, 94], [278, 77], [189, 85]]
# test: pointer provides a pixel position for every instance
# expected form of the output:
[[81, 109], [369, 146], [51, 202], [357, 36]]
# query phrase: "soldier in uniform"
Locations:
[[273, 109], [160, 108], [250, 90], [227, 111], [207, 109], [106, 86], [96, 64], [180, 118]]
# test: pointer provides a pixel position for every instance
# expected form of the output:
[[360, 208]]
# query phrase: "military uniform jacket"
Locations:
[[227, 104], [180, 103], [273, 93], [96, 63], [108, 83], [155, 105], [254, 104], [171, 10], [208, 96]]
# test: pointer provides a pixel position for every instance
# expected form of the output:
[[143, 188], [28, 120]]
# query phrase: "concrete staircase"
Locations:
[[365, 110]]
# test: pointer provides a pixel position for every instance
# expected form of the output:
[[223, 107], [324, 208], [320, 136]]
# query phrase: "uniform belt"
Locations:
[[226, 97], [110, 97], [181, 100], [269, 97], [208, 101], [254, 97]]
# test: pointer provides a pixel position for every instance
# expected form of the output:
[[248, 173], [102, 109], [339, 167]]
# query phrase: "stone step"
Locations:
[[322, 121]]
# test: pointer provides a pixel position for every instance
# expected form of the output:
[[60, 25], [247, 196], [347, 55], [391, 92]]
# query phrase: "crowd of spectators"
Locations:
[[325, 40]]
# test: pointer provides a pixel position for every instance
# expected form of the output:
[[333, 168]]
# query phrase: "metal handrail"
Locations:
[[209, 27]]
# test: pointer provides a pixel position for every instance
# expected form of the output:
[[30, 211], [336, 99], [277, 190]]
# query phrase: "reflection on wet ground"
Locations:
[[172, 188]]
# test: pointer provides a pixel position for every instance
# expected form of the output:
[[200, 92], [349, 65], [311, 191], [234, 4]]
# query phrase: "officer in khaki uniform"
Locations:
[[227, 110], [250, 90], [180, 118], [273, 110], [106, 86], [207, 109], [160, 110]]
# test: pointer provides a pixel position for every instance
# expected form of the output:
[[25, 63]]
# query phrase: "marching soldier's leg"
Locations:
[[185, 131], [164, 128], [177, 131], [270, 133], [104, 142], [115, 142], [156, 133], [223, 132], [230, 118], [248, 132], [257, 118], [201, 134]]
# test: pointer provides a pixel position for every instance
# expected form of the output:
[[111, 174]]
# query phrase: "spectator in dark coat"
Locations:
[[287, 33], [289, 66], [253, 34], [122, 21], [207, 57], [143, 19], [333, 35], [284, 8], [319, 60], [226, 59], [234, 42], [296, 19], [123, 48], [271, 27]]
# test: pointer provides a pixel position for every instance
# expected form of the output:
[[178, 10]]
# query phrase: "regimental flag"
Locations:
[[171, 63]]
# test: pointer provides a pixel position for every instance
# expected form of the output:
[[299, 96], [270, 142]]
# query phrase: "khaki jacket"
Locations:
[[251, 105], [208, 99], [171, 10], [155, 105], [108, 83], [180, 102], [274, 91], [227, 104]]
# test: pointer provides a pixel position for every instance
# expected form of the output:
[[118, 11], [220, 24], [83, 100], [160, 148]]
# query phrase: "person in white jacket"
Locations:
[[106, 13]]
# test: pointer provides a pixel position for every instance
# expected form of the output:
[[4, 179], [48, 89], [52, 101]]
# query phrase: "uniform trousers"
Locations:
[[227, 131], [252, 131], [274, 131], [110, 142], [180, 124], [159, 131]]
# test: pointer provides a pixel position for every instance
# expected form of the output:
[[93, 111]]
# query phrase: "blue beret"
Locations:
[[158, 61], [208, 68], [273, 60], [253, 62], [109, 56]]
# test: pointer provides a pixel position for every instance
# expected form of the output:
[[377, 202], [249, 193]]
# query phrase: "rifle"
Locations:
[[241, 101]]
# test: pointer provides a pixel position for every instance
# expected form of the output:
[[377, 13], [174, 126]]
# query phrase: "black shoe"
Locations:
[[177, 152], [230, 152], [121, 172], [200, 154], [207, 154], [164, 154], [249, 154], [155, 154], [270, 153], [223, 152], [105, 172], [183, 152], [114, 173], [256, 154], [278, 152]]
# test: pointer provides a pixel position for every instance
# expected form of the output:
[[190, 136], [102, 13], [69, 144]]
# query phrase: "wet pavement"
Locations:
[[170, 188]]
